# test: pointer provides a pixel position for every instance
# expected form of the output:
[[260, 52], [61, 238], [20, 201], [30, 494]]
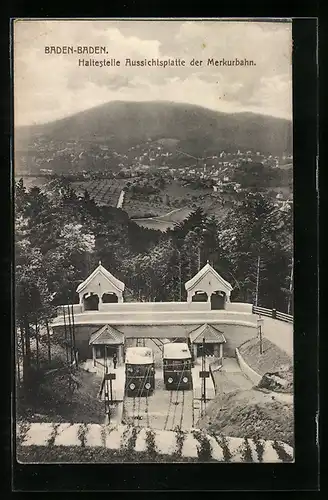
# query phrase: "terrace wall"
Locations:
[[144, 307], [235, 334]]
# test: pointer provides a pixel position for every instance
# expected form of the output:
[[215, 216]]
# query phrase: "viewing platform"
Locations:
[[102, 306], [157, 313]]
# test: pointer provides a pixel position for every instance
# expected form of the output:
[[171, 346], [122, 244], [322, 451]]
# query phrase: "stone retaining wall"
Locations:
[[247, 370]]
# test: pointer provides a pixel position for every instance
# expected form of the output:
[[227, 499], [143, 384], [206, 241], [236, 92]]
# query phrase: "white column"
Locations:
[[81, 302], [195, 351], [221, 350], [118, 353]]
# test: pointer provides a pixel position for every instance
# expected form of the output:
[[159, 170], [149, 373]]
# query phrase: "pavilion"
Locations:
[[104, 322]]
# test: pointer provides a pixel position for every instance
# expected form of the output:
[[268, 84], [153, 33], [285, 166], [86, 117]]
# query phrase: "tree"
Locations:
[[252, 237], [33, 300]]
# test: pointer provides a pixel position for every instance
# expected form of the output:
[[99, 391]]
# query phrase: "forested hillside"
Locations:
[[61, 237]]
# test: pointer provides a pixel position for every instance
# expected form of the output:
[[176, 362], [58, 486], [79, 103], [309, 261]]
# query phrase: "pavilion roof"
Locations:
[[107, 275], [207, 269], [107, 335], [208, 333]]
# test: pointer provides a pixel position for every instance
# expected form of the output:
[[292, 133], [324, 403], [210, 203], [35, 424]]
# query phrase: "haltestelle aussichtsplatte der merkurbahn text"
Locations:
[[128, 62]]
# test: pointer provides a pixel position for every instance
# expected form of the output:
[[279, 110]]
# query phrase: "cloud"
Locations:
[[47, 87]]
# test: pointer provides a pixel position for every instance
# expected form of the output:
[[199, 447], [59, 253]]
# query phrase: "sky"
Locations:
[[50, 86]]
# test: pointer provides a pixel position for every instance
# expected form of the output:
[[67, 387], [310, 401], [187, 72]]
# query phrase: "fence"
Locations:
[[273, 313]]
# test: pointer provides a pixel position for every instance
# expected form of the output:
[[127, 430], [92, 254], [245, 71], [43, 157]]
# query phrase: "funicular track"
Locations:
[[161, 409], [175, 416]]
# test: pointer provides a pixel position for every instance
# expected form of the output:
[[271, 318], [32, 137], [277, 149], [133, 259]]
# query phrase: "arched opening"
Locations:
[[200, 296], [109, 298], [218, 300], [91, 302]]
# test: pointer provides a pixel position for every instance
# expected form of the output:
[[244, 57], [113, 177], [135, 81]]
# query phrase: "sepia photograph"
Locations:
[[153, 254]]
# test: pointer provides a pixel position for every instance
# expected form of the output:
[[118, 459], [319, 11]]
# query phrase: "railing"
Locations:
[[272, 313], [213, 367], [284, 317]]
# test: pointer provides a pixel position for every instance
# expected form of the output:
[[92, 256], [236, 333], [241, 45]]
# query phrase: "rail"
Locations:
[[273, 313]]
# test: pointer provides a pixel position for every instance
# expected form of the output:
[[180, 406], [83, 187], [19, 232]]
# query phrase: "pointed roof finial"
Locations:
[[100, 262], [207, 262]]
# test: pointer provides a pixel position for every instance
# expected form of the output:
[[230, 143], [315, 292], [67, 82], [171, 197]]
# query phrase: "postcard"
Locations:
[[153, 166]]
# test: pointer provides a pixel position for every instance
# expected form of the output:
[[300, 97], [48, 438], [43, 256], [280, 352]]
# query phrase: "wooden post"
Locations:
[[203, 369], [22, 341], [259, 326], [70, 332], [290, 287], [111, 390], [48, 341], [195, 351], [180, 277], [73, 338], [65, 331], [37, 344], [257, 280], [17, 355]]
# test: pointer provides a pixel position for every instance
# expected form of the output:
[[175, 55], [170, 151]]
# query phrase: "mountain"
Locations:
[[196, 130]]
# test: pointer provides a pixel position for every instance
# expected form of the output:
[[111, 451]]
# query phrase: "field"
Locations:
[[160, 212], [173, 204], [103, 191]]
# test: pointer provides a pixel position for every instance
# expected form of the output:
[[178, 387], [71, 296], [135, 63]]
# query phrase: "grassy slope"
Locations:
[[272, 359], [250, 414], [56, 403]]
